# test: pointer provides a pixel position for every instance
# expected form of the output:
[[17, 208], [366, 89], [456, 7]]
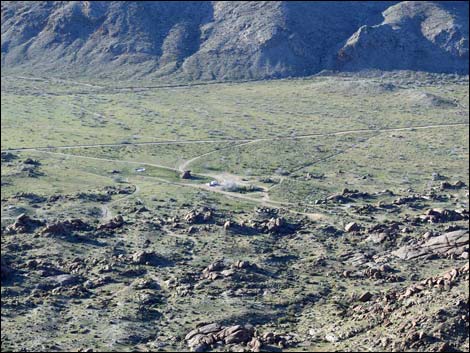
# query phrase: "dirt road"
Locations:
[[280, 138]]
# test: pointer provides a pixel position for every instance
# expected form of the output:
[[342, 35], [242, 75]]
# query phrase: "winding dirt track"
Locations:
[[160, 166], [139, 88], [280, 138], [185, 165], [263, 201], [107, 215]]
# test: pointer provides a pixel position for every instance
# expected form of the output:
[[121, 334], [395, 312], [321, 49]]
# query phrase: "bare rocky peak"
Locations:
[[427, 36], [232, 40]]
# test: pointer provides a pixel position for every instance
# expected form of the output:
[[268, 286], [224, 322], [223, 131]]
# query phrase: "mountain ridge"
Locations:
[[232, 40]]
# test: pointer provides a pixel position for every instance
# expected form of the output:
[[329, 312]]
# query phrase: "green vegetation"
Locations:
[[278, 169]]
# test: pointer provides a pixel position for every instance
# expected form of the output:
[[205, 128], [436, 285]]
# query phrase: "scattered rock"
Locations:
[[63, 280], [331, 338], [31, 161], [255, 345], [454, 243], [114, 223], [352, 227], [144, 257], [443, 280], [23, 224], [387, 228], [203, 215], [436, 215], [212, 272], [445, 185], [276, 225], [365, 297], [227, 225], [377, 238], [408, 199], [8, 157], [63, 228], [338, 198], [206, 335]]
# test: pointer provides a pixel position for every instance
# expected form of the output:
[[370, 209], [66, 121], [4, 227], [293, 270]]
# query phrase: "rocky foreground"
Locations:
[[389, 272]]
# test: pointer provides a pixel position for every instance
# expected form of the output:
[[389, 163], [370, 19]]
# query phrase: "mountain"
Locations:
[[413, 35], [225, 40]]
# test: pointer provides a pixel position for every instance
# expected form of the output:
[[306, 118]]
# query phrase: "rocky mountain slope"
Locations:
[[232, 40]]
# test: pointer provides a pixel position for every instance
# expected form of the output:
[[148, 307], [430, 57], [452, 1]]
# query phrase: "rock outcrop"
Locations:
[[23, 224], [451, 243], [419, 35]]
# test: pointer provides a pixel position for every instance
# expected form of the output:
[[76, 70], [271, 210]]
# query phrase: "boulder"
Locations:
[[451, 243], [407, 199], [365, 297], [31, 161], [8, 156], [213, 271], [144, 257], [352, 227], [255, 345], [114, 223], [436, 215], [5, 269], [445, 185], [23, 224], [227, 225], [388, 228], [63, 280], [242, 264], [275, 224], [206, 335], [377, 238], [237, 334], [338, 198], [198, 216], [66, 227]]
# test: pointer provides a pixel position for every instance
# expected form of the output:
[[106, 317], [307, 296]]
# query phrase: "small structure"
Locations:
[[186, 174]]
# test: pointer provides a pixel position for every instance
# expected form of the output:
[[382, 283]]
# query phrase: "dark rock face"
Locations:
[[98, 35], [232, 40], [427, 36]]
